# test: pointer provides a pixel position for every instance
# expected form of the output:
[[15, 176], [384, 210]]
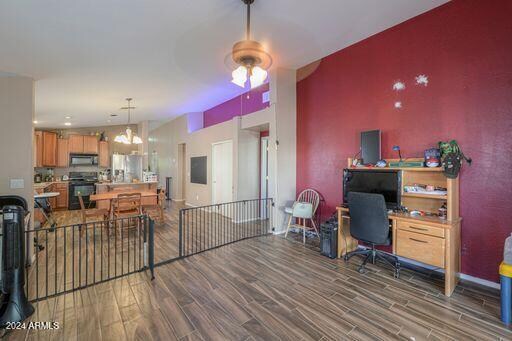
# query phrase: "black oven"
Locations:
[[81, 183]]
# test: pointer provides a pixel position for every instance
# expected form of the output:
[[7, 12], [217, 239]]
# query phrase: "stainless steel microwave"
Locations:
[[83, 159]]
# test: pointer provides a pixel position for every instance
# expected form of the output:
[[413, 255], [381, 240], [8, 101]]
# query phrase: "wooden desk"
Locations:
[[428, 240]]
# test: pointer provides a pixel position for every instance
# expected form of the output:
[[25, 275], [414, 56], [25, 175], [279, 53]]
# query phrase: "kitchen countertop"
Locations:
[[42, 185]]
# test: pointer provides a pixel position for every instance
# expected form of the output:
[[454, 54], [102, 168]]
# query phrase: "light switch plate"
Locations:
[[17, 183]]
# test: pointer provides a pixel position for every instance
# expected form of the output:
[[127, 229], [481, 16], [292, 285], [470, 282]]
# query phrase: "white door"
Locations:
[[222, 172]]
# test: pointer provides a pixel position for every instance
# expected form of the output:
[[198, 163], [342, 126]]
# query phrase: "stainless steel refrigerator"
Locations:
[[126, 168]]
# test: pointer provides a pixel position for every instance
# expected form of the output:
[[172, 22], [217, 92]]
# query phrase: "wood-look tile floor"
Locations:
[[270, 288]]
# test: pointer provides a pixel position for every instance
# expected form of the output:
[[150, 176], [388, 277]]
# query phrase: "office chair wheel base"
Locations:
[[361, 270], [397, 271], [345, 258]]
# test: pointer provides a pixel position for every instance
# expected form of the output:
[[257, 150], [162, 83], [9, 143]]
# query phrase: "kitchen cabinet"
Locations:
[[62, 153], [49, 149], [83, 144], [61, 202], [76, 144], [38, 149], [90, 144], [104, 156]]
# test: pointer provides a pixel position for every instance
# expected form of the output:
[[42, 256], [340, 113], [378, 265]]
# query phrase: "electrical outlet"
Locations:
[[17, 183]]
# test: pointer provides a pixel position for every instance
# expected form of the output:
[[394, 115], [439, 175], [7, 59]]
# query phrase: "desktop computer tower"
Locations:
[[329, 238]]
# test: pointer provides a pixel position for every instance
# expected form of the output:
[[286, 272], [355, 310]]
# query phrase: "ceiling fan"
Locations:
[[250, 56]]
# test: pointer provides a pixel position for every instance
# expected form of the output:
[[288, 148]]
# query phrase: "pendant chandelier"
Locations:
[[251, 57], [128, 137]]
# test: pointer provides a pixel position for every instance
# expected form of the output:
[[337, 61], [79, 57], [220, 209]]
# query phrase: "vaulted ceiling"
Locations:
[[171, 56]]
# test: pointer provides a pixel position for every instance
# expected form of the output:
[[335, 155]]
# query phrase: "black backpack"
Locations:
[[452, 158]]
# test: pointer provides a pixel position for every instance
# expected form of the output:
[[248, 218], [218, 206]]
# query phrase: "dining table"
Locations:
[[114, 194]]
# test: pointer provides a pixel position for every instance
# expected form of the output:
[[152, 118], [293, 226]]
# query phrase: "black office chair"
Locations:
[[369, 223]]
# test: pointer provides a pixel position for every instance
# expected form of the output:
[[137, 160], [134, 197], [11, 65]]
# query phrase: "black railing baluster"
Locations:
[[86, 256], [46, 253], [101, 249], [64, 253], [80, 256], [94, 253], [37, 264], [55, 263]]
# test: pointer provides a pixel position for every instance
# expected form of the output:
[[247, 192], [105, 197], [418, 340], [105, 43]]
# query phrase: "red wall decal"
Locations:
[[465, 48]]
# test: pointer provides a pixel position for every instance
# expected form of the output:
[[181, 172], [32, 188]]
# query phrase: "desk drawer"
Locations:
[[420, 247], [420, 228]]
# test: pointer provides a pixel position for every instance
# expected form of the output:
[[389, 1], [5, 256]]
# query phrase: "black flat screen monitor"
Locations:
[[370, 147], [385, 182]]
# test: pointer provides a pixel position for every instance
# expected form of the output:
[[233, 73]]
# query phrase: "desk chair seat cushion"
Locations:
[[288, 210], [369, 220], [302, 210]]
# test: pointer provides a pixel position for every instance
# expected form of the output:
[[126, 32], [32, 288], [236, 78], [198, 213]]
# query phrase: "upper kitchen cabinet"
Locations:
[[80, 144], [62, 152], [38, 149], [90, 145], [76, 144], [49, 149], [104, 155]]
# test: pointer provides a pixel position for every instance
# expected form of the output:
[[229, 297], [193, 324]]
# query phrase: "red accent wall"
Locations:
[[244, 104], [465, 48]]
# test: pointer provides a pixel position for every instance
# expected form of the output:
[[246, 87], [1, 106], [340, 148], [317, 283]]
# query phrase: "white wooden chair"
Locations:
[[303, 209]]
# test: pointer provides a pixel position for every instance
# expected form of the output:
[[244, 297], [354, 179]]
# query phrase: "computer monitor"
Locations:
[[381, 181], [370, 147]]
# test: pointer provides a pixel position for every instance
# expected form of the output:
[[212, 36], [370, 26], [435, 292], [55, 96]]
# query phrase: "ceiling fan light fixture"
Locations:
[[258, 76], [239, 76], [251, 57]]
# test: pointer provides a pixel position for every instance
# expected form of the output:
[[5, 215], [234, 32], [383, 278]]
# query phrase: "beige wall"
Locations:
[[165, 140], [16, 135]]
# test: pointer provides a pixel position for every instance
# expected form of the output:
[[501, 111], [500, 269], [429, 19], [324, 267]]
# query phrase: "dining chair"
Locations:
[[304, 209], [126, 206], [102, 213], [156, 211]]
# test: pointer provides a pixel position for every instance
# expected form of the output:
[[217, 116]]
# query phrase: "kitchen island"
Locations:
[[127, 187]]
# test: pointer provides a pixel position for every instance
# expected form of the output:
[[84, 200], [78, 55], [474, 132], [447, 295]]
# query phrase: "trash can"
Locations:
[[329, 238]]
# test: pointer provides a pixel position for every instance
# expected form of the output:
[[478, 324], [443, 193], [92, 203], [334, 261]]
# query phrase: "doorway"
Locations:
[[264, 173], [222, 172], [182, 169]]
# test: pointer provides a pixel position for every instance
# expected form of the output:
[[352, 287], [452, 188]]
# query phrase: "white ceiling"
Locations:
[[169, 55]]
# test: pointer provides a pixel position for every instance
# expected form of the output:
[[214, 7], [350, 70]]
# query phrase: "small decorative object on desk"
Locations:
[[432, 157], [381, 163], [443, 211]]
